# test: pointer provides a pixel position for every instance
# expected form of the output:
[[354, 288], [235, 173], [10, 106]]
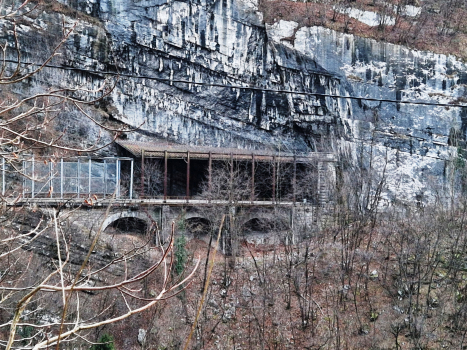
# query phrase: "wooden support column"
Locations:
[[187, 175], [231, 177], [294, 184], [165, 175], [274, 178], [252, 195], [142, 173], [210, 171], [131, 178]]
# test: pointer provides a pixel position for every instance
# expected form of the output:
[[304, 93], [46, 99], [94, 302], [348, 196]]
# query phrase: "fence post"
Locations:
[[105, 178], [89, 179], [78, 179], [51, 181], [118, 179], [61, 178]]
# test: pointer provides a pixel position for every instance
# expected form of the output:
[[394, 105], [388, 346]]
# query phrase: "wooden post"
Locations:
[[231, 178], [165, 175], [274, 178], [187, 175], [142, 173], [294, 178], [252, 195], [210, 172], [131, 178]]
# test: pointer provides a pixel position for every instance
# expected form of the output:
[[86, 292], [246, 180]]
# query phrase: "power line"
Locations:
[[252, 88]]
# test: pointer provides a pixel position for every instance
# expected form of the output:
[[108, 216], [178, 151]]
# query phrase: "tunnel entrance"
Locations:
[[129, 225]]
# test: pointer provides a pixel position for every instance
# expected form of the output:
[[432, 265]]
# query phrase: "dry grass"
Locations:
[[438, 28]]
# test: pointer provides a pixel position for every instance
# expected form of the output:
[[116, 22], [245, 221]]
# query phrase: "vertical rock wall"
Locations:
[[160, 43]]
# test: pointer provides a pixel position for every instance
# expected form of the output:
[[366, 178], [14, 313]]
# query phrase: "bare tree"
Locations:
[[45, 306]]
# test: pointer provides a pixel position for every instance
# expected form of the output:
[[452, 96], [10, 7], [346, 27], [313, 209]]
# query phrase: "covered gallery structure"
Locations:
[[171, 171], [184, 171]]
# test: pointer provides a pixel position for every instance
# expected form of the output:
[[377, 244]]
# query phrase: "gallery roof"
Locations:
[[177, 151]]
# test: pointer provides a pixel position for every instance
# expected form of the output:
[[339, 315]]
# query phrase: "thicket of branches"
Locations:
[[54, 289], [356, 277], [436, 25]]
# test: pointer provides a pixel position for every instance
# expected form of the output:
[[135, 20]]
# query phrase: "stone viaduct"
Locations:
[[151, 186]]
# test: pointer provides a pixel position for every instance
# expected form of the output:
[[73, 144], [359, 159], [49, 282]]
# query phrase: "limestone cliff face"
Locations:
[[225, 42], [220, 42]]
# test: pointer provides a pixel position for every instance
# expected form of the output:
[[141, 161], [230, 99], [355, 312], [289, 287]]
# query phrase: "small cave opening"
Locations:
[[129, 225], [263, 225], [198, 226]]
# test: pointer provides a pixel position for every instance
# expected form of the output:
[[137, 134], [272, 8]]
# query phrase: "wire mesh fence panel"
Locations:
[[56, 180], [27, 180], [97, 178], [83, 175], [41, 178], [111, 177], [71, 178]]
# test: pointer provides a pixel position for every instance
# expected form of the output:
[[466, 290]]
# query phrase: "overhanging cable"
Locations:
[[252, 88]]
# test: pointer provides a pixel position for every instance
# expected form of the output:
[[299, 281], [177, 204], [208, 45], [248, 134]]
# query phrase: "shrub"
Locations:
[[106, 342]]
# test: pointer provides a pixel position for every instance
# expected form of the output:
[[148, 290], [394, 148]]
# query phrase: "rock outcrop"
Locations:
[[177, 60]]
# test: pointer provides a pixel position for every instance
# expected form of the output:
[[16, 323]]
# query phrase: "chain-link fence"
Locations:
[[75, 177]]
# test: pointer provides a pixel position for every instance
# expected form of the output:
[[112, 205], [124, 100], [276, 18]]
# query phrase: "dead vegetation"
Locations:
[[439, 26]]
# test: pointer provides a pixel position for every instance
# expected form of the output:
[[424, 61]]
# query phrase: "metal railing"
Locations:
[[49, 177]]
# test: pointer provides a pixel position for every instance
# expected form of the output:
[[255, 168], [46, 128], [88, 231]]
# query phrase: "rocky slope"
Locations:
[[156, 44]]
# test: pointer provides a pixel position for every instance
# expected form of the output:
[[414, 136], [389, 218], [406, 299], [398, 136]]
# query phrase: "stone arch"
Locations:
[[197, 225], [264, 223], [136, 216], [193, 214]]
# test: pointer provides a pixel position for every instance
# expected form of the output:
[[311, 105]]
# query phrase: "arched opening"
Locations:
[[264, 225], [128, 225], [198, 226]]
